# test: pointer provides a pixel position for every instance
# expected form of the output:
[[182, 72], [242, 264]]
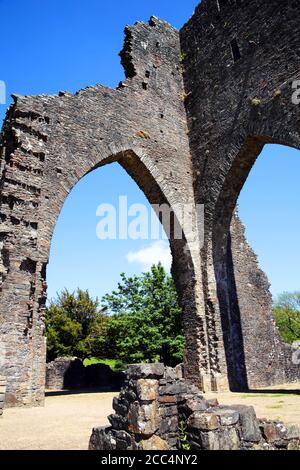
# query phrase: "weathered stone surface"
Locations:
[[147, 371], [209, 441], [154, 443], [158, 425], [175, 388], [168, 424], [203, 421], [174, 373], [277, 433], [118, 422], [143, 419], [229, 439], [226, 415], [293, 445], [292, 432], [193, 404], [124, 441], [2, 393], [183, 141], [249, 425], [166, 411], [213, 402], [168, 399], [70, 373], [65, 373], [121, 406], [102, 438], [147, 389]]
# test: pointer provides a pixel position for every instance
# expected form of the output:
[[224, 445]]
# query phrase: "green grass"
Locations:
[[269, 395], [114, 364]]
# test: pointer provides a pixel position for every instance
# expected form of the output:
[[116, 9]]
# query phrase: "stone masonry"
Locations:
[[187, 124], [65, 373], [2, 393], [158, 409]]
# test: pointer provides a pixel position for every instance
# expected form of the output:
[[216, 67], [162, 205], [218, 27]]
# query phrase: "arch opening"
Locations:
[[255, 353], [151, 190]]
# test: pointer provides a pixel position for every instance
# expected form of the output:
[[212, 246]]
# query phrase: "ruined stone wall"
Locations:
[[70, 373], [48, 144], [187, 124], [265, 359], [158, 409], [2, 393], [240, 58]]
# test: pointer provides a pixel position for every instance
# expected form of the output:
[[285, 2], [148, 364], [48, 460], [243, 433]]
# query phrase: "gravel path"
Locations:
[[65, 423], [281, 402]]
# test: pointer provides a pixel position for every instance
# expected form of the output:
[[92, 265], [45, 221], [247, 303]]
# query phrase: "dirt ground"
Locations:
[[66, 421], [277, 403]]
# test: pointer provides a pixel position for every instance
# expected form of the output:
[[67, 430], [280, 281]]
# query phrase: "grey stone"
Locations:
[[249, 425], [102, 438], [120, 406], [191, 405], [227, 416], [203, 421], [183, 141], [146, 371], [168, 424], [118, 422]]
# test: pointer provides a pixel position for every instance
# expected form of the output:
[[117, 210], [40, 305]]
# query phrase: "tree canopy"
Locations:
[[287, 314], [73, 323], [138, 322], [145, 319]]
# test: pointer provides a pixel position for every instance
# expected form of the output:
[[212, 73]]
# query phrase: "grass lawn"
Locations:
[[114, 364]]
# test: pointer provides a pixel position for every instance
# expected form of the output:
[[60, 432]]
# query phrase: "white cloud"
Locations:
[[158, 251]]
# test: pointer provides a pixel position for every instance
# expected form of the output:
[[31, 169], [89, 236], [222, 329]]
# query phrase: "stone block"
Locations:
[[219, 383], [294, 445], [229, 439], [212, 402], [179, 387], [209, 441], [205, 383], [154, 443], [143, 419], [167, 400], [147, 389], [175, 373], [277, 433], [120, 406], [118, 422], [270, 432], [168, 424], [145, 371], [166, 411], [227, 416], [194, 404], [203, 421], [249, 425], [102, 438]]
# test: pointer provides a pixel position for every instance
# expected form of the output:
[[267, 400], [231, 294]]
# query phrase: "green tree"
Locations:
[[75, 325], [145, 319], [287, 314]]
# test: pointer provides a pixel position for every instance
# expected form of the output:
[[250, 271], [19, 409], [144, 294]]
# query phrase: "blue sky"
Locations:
[[66, 45]]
